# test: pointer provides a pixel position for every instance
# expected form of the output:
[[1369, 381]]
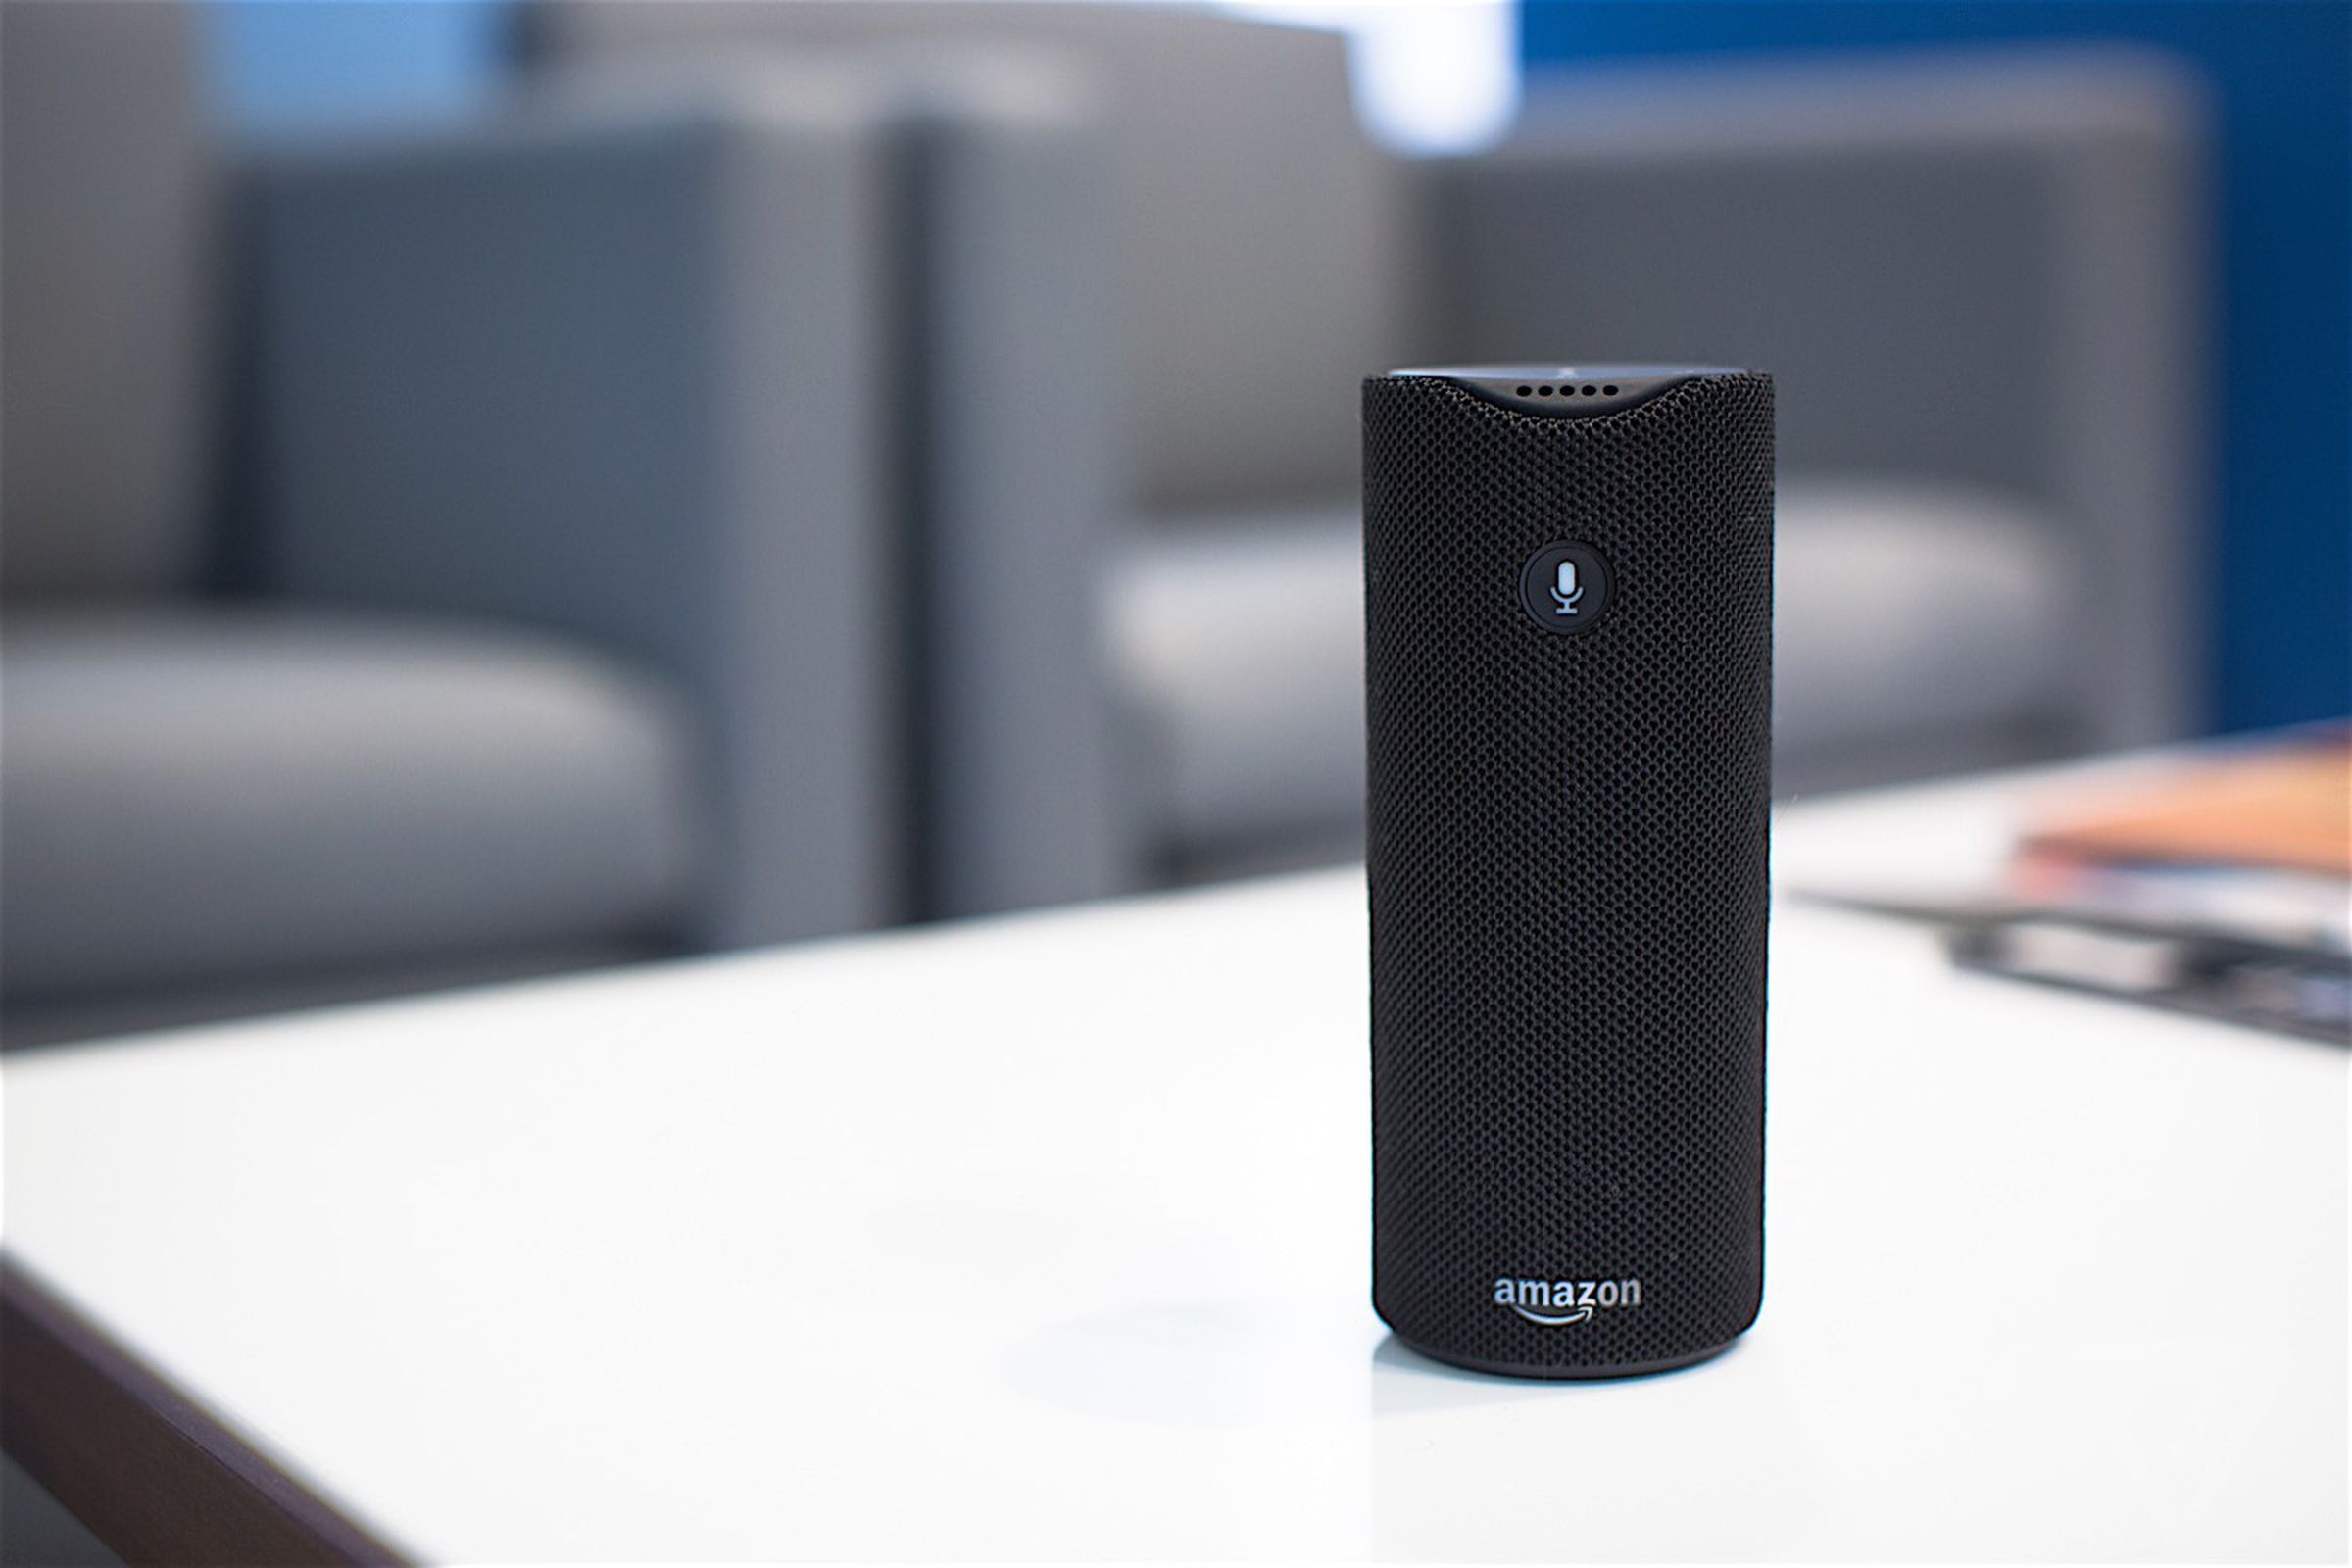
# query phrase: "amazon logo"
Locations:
[[1556, 1303]]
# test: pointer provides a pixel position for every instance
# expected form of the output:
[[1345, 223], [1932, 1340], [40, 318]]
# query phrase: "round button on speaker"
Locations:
[[1565, 588]]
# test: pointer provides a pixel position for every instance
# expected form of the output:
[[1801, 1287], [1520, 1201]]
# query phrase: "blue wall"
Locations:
[[281, 65], [2282, 570]]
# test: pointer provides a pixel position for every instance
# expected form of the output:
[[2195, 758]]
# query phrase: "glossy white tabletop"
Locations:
[[1048, 1237]]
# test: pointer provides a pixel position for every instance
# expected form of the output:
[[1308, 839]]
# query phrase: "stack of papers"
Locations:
[[2222, 889]]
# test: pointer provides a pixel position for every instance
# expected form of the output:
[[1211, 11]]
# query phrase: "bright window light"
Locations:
[[1431, 76]]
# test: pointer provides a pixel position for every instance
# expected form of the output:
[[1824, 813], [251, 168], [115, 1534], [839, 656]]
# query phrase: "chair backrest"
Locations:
[[1982, 268], [1891, 239], [106, 231], [1255, 226]]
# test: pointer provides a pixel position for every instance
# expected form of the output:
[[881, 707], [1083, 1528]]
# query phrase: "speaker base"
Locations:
[[1565, 1374]]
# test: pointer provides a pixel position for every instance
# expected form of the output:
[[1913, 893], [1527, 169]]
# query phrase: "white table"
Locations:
[[1048, 1237]]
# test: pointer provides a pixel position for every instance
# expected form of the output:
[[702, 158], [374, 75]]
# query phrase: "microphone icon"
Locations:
[[1564, 591]]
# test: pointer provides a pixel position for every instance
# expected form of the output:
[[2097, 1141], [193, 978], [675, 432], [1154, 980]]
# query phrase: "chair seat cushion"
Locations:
[[195, 794], [1907, 611], [1901, 611], [1239, 652]]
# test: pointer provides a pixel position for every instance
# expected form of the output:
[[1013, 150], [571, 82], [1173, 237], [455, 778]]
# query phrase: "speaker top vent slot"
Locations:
[[1577, 390]]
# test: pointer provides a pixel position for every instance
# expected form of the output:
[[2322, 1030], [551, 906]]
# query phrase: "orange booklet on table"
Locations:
[[2254, 844], [2286, 805], [2223, 888]]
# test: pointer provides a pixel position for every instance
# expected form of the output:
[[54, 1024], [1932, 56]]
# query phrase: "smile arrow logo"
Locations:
[[1550, 1321]]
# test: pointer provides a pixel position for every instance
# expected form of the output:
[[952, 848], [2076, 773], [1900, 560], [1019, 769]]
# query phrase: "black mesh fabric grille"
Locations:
[[1567, 852]]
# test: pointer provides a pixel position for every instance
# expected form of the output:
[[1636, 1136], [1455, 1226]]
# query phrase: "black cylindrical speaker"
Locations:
[[1568, 633]]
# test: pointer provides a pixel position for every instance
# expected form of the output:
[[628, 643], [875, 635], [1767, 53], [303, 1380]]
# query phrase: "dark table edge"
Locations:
[[155, 1476]]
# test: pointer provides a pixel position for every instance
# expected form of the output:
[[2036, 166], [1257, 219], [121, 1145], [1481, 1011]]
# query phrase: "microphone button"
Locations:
[[1565, 587]]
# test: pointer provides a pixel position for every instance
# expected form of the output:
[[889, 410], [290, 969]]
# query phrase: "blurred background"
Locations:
[[498, 486]]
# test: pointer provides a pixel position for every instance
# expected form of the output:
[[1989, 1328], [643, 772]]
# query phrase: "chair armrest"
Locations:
[[608, 365], [1013, 469], [1982, 269]]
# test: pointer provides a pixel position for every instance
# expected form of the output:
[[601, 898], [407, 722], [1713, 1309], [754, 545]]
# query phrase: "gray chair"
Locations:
[[542, 623], [1131, 326], [1977, 280], [1976, 276]]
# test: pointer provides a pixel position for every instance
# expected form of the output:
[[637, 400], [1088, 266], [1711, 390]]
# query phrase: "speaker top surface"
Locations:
[[1568, 391]]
